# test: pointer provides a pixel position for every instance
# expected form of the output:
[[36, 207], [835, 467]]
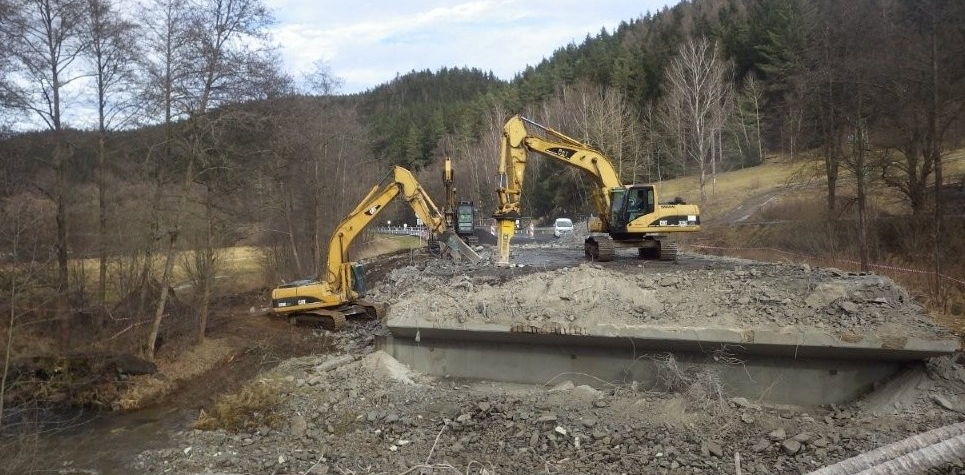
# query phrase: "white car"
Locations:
[[561, 226]]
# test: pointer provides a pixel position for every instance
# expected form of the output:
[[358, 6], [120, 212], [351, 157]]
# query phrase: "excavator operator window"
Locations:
[[616, 205], [640, 202]]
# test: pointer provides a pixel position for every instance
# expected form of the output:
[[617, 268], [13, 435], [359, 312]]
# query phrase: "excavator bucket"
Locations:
[[460, 248]]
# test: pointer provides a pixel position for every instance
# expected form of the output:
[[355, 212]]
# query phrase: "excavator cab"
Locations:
[[630, 203], [465, 222]]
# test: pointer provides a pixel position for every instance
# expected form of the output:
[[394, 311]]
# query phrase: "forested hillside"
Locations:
[[127, 139]]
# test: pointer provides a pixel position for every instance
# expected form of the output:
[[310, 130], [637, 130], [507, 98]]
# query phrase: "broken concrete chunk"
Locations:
[[791, 446]]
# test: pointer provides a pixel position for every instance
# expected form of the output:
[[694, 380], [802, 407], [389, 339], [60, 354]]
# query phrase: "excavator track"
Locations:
[[600, 249], [372, 309], [668, 251], [331, 320]]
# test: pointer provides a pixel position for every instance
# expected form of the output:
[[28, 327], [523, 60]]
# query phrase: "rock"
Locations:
[[791, 446], [714, 449], [824, 294], [777, 435], [547, 417], [849, 307], [564, 386], [946, 403], [587, 391], [742, 402], [589, 421], [803, 437], [298, 426], [335, 362]]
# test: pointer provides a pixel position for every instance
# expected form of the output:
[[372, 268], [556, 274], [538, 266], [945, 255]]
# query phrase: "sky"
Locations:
[[365, 43]]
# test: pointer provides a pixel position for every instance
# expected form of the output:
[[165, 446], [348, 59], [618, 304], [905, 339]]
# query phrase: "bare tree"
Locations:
[[164, 61], [928, 104], [111, 55], [18, 220], [320, 79], [224, 38], [698, 92], [749, 110], [44, 40], [607, 121]]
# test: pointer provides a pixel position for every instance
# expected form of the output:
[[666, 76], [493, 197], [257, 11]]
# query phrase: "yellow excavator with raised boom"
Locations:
[[627, 215], [337, 294]]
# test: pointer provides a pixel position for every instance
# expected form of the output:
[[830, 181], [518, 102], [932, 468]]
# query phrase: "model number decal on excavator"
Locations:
[[562, 152]]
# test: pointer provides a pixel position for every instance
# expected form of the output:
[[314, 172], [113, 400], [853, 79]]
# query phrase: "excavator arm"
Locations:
[[516, 145], [404, 185], [335, 289]]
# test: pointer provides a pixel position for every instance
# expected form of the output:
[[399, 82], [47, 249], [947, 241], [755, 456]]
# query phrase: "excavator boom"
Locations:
[[338, 292]]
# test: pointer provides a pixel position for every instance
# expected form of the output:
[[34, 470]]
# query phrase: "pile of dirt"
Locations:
[[727, 293]]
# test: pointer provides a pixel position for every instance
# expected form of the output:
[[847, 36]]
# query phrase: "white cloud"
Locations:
[[367, 43]]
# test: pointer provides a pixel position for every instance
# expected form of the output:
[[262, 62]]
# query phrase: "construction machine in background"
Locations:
[[339, 292], [626, 215], [460, 215]]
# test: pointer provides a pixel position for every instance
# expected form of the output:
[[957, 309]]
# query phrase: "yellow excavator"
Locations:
[[337, 294], [628, 216]]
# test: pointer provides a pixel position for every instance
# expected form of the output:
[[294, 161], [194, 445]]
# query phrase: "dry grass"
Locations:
[[193, 363], [735, 187], [242, 266], [256, 405]]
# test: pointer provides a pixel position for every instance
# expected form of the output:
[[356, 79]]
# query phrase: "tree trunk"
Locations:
[[863, 249], [290, 222], [102, 224], [149, 346], [169, 258], [9, 348], [206, 271], [936, 155], [63, 276]]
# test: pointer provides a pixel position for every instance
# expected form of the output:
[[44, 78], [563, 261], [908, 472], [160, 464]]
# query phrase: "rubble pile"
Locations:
[[359, 411]]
